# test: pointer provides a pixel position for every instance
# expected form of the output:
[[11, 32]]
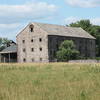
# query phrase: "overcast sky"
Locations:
[[16, 14]]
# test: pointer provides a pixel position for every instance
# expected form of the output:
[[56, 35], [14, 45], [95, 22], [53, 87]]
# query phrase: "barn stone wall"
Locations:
[[30, 43]]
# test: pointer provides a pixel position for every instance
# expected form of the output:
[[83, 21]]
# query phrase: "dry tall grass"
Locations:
[[58, 81]]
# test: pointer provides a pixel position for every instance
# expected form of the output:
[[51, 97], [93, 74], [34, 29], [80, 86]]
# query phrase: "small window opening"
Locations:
[[24, 60], [32, 59], [40, 39], [40, 49], [31, 28], [32, 49], [31, 40], [23, 41], [40, 59], [24, 50]]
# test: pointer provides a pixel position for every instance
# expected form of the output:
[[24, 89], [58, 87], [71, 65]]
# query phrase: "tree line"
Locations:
[[94, 30], [4, 42], [67, 48]]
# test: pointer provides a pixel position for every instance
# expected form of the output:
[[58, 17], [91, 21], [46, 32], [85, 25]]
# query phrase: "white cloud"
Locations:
[[10, 30], [14, 17], [84, 3], [29, 11], [95, 21], [69, 20], [9, 26]]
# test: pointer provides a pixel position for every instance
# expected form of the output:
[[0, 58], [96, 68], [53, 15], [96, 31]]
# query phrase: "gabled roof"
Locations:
[[64, 31], [11, 49]]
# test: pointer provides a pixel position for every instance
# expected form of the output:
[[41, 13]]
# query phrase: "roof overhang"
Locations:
[[7, 52]]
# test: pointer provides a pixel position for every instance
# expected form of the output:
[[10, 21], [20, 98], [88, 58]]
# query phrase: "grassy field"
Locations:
[[50, 81]]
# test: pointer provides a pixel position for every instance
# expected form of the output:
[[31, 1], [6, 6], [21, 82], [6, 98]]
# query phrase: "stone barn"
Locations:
[[39, 42]]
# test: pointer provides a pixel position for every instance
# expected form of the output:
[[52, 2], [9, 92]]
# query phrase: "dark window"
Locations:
[[23, 41], [40, 49], [24, 50], [31, 28], [32, 49], [32, 59], [40, 39], [40, 59], [32, 40], [24, 60]]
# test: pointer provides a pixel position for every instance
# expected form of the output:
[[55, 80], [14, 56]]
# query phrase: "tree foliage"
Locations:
[[4, 42], [94, 30], [67, 51]]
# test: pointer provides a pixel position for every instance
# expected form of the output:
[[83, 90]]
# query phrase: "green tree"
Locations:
[[4, 42], [67, 51], [94, 30], [84, 24]]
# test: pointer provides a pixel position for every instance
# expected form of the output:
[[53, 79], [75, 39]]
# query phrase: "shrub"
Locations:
[[67, 51]]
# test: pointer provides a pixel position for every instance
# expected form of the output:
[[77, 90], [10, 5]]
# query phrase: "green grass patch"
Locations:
[[58, 81]]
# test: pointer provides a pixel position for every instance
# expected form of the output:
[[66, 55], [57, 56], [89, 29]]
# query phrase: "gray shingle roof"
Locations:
[[11, 49], [65, 31]]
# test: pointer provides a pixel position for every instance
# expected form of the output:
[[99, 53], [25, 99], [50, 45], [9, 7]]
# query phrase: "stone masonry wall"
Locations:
[[36, 55]]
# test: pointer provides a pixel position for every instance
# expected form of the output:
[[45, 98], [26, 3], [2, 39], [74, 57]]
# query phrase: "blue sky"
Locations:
[[16, 14]]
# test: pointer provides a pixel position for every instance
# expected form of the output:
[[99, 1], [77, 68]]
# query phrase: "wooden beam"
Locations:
[[9, 57], [0, 58], [4, 59]]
